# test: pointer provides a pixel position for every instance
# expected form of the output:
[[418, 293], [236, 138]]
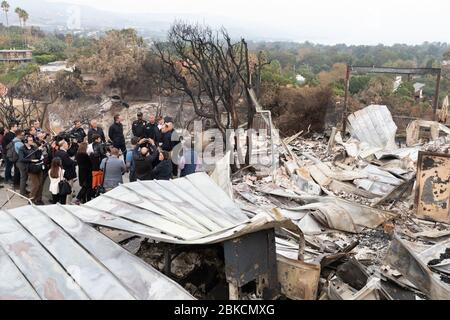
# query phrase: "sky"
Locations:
[[322, 21]]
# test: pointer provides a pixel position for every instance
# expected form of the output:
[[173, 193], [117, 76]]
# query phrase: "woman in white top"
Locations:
[[56, 175]]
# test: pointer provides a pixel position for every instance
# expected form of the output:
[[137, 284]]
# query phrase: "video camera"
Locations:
[[102, 148], [66, 136]]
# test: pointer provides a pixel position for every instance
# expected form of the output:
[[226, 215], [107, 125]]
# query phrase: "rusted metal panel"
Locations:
[[299, 280], [405, 261], [252, 257], [433, 187]]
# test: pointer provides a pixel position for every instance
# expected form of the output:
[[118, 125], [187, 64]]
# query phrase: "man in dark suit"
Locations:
[[138, 126], [152, 131], [95, 129], [116, 135]]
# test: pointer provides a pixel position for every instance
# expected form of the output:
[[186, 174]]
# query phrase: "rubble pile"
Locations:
[[357, 203]]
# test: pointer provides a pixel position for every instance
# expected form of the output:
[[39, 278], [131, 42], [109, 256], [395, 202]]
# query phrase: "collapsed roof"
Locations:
[[48, 253]]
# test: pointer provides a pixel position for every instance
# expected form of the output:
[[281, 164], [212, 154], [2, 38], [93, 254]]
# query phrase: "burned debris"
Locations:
[[374, 216], [364, 217]]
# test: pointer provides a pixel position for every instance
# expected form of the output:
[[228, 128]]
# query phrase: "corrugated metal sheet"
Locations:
[[48, 253], [373, 125], [52, 252], [191, 210]]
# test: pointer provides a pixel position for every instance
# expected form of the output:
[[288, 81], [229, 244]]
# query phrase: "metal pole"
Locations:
[[274, 164], [347, 87], [436, 97]]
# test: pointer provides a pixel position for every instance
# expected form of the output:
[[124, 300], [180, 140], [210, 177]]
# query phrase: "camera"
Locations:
[[66, 136], [102, 148]]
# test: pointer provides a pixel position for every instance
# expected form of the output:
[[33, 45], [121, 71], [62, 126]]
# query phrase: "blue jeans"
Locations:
[[8, 169]]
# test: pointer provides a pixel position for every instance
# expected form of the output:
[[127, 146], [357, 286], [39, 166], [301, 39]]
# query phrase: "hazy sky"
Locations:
[[326, 21]]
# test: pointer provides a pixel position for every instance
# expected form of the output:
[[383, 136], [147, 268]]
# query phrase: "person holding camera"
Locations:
[[77, 132], [31, 166], [169, 137], [145, 153]]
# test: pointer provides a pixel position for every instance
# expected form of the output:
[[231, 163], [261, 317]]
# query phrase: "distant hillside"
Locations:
[[57, 16]]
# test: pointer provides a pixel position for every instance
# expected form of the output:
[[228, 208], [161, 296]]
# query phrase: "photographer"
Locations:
[[169, 137], [145, 153], [31, 166], [77, 133], [72, 142]]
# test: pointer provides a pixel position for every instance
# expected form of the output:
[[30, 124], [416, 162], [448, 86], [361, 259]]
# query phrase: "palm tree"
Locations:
[[25, 17], [19, 11], [5, 6]]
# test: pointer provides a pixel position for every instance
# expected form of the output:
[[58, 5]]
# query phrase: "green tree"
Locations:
[[19, 13], [358, 84], [25, 17], [50, 48], [405, 90], [447, 55], [5, 7]]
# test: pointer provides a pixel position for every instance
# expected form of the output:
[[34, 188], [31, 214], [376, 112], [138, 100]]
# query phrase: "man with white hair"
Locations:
[[95, 129]]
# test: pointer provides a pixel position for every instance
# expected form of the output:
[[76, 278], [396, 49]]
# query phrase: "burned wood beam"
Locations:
[[390, 70]]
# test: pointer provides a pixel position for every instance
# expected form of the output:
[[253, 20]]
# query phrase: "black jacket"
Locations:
[[152, 131], [97, 156], [84, 170], [138, 128], [163, 171], [27, 155], [115, 133], [7, 140], [79, 134], [68, 164], [169, 140], [144, 165], [98, 131]]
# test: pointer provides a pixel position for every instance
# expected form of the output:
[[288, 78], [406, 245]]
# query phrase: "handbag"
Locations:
[[99, 190], [64, 187]]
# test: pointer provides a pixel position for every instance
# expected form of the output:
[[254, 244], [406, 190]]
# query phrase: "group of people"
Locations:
[[32, 156]]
